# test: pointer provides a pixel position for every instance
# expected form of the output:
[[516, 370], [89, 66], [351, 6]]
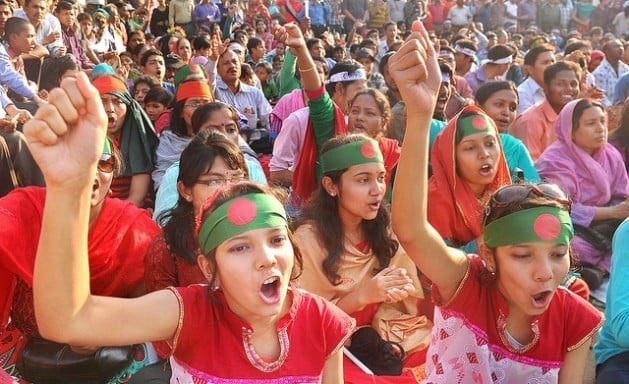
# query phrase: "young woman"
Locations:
[[248, 315], [209, 162], [130, 129], [500, 315], [499, 100], [350, 255], [141, 86], [468, 165], [593, 174], [190, 96], [119, 234]]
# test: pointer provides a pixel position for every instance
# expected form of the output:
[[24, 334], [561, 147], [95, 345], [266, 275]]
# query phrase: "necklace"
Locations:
[[505, 336]]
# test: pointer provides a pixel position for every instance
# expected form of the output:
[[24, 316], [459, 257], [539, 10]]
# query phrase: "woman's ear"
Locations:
[[206, 267], [329, 186], [488, 256], [184, 191]]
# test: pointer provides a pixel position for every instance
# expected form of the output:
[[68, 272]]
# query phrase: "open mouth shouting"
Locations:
[[542, 299], [270, 290], [486, 170]]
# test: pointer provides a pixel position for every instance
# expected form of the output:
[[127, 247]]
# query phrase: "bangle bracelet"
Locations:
[[306, 70]]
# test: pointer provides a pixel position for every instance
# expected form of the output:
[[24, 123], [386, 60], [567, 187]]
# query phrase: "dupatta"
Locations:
[[453, 208]]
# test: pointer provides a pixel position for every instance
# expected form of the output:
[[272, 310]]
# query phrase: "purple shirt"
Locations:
[[75, 48], [528, 9], [203, 11]]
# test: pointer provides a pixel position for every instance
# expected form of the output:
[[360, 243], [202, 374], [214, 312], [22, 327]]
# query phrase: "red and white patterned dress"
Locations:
[[467, 347]]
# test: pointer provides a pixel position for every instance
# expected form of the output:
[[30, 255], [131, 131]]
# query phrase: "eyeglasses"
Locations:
[[220, 181], [517, 193], [106, 164], [196, 104]]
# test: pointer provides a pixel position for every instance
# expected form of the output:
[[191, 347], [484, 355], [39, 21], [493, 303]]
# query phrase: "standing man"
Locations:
[[180, 15], [355, 10], [460, 15], [205, 13]]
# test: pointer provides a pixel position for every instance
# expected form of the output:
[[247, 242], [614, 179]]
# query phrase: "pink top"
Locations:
[[536, 128], [467, 347]]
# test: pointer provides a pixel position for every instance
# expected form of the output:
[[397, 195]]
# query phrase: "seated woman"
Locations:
[[119, 234], [215, 116], [468, 165], [592, 173], [350, 255], [190, 96], [210, 161], [499, 100], [500, 316], [263, 329], [131, 131]]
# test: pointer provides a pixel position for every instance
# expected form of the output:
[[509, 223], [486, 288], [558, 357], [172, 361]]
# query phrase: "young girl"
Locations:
[[500, 316], [247, 325], [499, 100], [468, 165], [350, 255]]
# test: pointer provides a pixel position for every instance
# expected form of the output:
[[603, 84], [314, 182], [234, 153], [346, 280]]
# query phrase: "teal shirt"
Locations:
[[614, 335], [518, 156]]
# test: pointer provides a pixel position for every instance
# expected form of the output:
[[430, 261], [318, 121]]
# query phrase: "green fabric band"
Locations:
[[530, 225], [238, 215], [350, 154], [475, 123], [107, 147]]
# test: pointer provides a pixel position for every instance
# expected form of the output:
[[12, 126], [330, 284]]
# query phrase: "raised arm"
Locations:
[[294, 39], [416, 72], [66, 139]]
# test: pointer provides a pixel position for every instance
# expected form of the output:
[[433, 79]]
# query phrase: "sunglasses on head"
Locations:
[[515, 194], [106, 163]]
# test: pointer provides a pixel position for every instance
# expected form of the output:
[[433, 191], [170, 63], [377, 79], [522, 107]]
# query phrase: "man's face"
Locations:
[[391, 32], [5, 13], [155, 67], [35, 11], [368, 63], [66, 17], [615, 50], [543, 61], [229, 67], [317, 50]]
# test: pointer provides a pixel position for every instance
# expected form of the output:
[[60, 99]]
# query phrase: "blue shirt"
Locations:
[[204, 14], [12, 79], [319, 13], [248, 100]]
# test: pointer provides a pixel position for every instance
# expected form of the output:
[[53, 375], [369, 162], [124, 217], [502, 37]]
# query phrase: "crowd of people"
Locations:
[[304, 191]]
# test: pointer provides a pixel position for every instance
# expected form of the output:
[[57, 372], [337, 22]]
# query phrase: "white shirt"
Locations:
[[47, 27], [530, 93], [512, 9], [460, 16]]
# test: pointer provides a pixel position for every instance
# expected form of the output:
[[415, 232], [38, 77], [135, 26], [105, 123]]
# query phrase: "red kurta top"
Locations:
[[211, 343]]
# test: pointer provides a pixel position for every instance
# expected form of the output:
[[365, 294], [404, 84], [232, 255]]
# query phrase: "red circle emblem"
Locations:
[[242, 211], [547, 226], [368, 150], [479, 123]]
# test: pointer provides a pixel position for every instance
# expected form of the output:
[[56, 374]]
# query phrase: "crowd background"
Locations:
[[169, 72]]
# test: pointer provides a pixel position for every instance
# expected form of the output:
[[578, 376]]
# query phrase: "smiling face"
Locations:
[[477, 158], [360, 191], [591, 132], [562, 89], [366, 117], [528, 274], [502, 107], [254, 270]]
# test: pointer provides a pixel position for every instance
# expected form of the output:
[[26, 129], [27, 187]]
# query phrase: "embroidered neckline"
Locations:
[[256, 360], [504, 334]]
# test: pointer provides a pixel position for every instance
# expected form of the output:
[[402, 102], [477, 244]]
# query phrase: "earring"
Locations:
[[332, 194], [215, 287]]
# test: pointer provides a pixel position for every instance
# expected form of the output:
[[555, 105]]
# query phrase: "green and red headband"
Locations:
[[107, 84], [350, 154], [475, 123], [107, 147], [538, 224], [239, 215]]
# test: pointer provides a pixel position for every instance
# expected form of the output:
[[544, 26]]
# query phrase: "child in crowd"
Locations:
[[156, 103], [264, 71], [264, 329], [500, 315]]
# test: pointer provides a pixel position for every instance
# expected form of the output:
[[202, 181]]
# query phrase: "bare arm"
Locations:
[[415, 70], [66, 139], [333, 369], [574, 364], [294, 39], [140, 184]]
